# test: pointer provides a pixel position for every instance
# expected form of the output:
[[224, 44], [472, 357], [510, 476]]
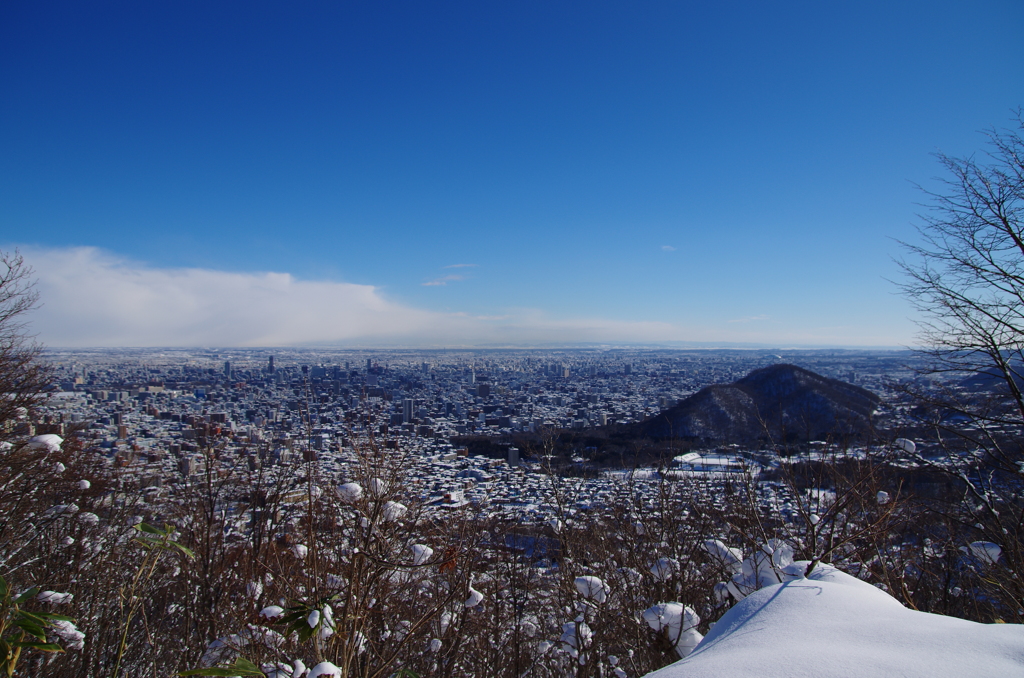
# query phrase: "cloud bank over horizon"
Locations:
[[93, 298]]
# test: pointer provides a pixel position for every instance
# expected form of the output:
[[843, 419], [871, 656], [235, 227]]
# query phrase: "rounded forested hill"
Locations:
[[784, 403]]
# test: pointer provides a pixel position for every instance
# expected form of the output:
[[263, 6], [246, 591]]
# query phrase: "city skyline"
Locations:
[[501, 175]]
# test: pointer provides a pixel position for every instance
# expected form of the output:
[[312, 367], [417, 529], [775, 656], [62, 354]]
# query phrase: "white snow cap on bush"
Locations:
[[592, 588], [258, 635], [272, 612], [985, 551], [61, 510], [393, 510], [475, 597], [664, 568], [89, 518], [324, 669], [882, 497], [54, 597], [679, 622], [300, 551], [908, 446], [376, 487], [47, 442], [313, 619], [84, 484], [421, 553], [350, 492], [762, 568], [630, 575], [729, 558], [221, 649], [435, 645], [69, 633], [359, 641], [576, 634], [326, 622], [280, 670], [59, 468]]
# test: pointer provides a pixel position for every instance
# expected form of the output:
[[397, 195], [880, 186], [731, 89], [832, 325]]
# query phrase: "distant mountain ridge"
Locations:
[[783, 402]]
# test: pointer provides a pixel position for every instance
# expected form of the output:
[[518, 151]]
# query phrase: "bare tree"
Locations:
[[22, 377], [966, 278]]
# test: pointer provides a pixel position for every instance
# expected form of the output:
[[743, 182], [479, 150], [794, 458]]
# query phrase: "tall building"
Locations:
[[270, 365], [407, 407], [227, 369]]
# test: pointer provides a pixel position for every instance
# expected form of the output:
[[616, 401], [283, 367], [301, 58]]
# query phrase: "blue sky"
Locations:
[[484, 172]]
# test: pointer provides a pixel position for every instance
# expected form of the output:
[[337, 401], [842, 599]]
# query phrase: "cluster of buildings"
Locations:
[[165, 416]]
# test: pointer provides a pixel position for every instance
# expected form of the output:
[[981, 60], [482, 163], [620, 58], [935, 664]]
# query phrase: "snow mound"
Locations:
[[47, 442], [832, 625]]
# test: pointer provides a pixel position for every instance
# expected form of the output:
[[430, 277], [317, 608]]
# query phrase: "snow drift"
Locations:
[[834, 625]]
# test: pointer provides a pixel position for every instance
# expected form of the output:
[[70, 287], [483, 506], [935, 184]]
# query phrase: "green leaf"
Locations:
[[245, 664], [290, 619], [241, 667], [31, 593], [3, 587], [184, 549], [45, 647], [31, 628], [305, 633], [146, 527]]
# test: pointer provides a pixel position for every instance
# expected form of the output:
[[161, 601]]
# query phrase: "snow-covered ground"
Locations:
[[832, 624]]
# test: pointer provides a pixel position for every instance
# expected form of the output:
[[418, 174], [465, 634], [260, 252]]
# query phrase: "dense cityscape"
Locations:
[[161, 416]]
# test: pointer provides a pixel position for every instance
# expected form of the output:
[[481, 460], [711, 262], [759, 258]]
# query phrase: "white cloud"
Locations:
[[668, 248], [442, 281], [93, 298], [461, 266]]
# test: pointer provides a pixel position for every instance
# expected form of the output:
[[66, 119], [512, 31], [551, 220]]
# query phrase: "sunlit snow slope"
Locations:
[[834, 625]]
